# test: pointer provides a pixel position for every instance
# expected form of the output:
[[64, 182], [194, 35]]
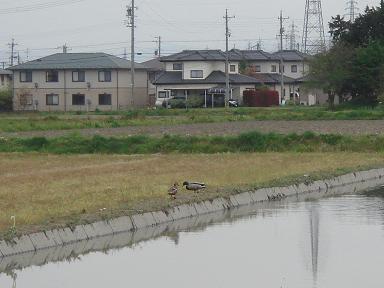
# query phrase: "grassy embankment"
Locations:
[[14, 122], [45, 191], [247, 142]]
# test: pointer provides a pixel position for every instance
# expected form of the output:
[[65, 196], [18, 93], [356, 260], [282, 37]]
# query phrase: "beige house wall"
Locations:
[[266, 67], [119, 88], [207, 66]]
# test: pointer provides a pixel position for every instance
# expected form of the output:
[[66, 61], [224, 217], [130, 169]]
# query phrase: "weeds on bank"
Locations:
[[145, 117], [247, 142]]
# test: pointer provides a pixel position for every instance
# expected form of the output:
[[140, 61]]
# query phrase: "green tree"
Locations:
[[5, 100], [330, 72], [368, 74]]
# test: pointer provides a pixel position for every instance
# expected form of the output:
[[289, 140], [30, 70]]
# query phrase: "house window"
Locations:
[[78, 99], [232, 68], [197, 73], [163, 94], [105, 76], [273, 68], [52, 76], [25, 76], [256, 68], [78, 76], [177, 66], [26, 100], [105, 99], [52, 99], [294, 68]]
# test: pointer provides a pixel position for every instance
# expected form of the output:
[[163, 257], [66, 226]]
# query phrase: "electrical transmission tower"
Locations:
[[292, 44], [352, 10], [313, 30]]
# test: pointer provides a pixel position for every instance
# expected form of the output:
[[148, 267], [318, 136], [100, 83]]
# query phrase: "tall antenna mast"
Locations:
[[313, 30], [352, 10]]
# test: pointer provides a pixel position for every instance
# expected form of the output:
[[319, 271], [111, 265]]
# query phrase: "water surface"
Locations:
[[331, 242]]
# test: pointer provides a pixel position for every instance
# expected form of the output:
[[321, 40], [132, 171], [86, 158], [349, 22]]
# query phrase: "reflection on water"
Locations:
[[326, 243]]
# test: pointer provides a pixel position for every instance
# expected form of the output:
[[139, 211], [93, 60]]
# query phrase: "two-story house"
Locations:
[[201, 73], [5, 79], [267, 68], [78, 82]]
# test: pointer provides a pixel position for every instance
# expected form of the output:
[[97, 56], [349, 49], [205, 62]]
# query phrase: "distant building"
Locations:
[[154, 68], [199, 72], [78, 82], [5, 79]]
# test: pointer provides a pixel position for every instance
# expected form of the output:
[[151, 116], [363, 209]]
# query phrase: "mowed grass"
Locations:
[[16, 122], [46, 191]]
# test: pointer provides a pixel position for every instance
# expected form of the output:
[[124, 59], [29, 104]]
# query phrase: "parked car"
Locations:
[[233, 103]]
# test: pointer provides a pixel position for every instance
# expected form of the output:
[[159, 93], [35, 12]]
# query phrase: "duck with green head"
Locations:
[[194, 186]]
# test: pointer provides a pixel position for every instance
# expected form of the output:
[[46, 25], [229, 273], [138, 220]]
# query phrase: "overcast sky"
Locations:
[[98, 26]]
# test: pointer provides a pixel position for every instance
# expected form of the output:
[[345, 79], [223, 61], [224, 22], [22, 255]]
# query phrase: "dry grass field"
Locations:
[[47, 190]]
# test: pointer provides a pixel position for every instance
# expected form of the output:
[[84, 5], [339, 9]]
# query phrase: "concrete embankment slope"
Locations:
[[68, 237]]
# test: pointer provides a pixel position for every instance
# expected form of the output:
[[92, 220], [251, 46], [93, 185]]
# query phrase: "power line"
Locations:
[[37, 6]]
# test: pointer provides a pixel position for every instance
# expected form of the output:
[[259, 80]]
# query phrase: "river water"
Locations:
[[330, 242]]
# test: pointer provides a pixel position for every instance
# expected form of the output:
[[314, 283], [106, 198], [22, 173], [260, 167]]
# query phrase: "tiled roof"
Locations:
[[5, 72], [216, 77], [77, 61], [235, 55], [201, 55], [290, 55], [154, 65]]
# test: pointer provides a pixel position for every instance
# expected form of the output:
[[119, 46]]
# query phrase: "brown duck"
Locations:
[[173, 190]]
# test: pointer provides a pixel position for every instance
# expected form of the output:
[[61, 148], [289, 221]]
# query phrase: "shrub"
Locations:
[[6, 100]]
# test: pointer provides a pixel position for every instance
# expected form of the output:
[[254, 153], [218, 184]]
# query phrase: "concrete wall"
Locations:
[[119, 88]]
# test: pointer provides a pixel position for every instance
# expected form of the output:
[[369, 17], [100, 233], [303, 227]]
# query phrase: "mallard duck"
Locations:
[[194, 186], [173, 190]]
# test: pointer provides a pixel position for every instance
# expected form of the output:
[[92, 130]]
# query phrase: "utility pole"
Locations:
[[281, 35], [131, 23], [125, 54], [227, 35], [12, 46], [158, 41], [64, 48]]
